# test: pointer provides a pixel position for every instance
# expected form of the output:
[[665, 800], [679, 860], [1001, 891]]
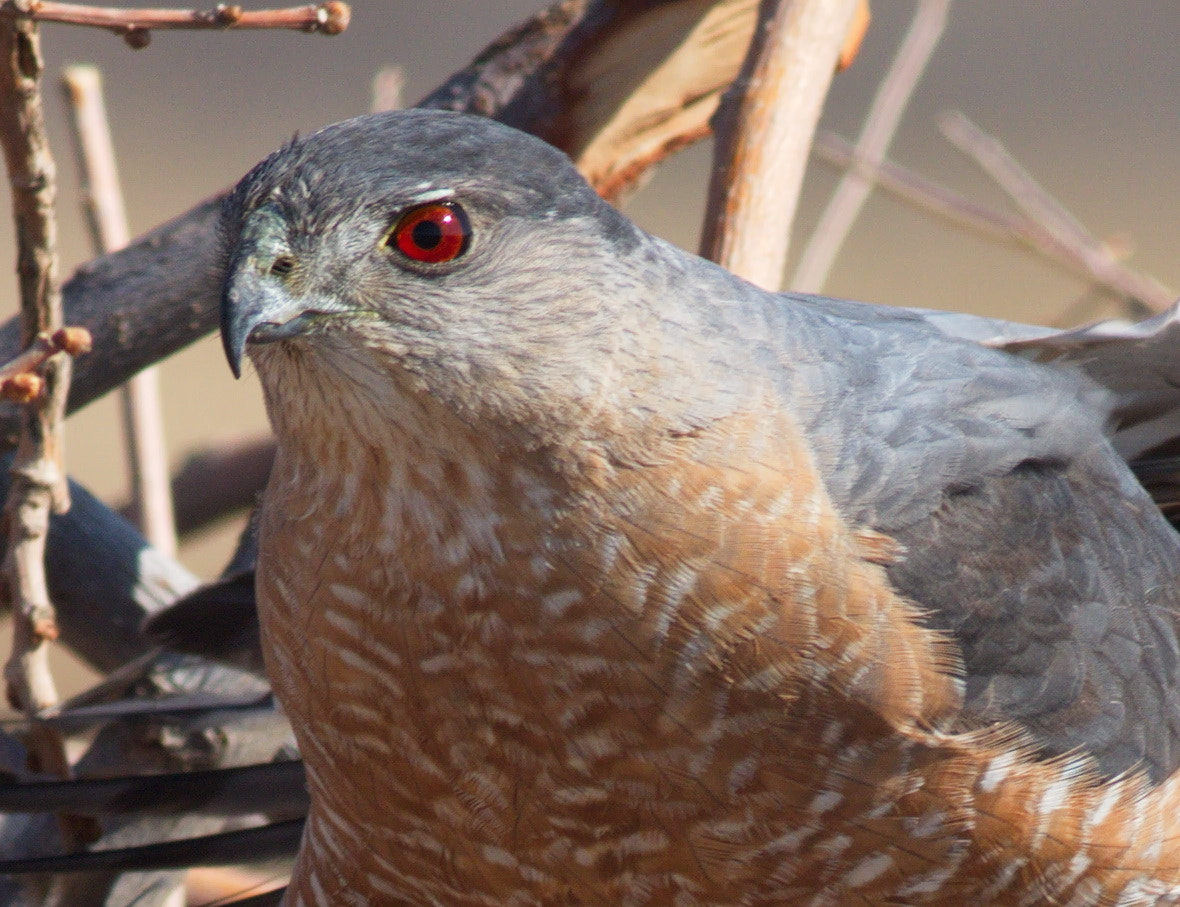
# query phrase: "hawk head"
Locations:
[[466, 257]]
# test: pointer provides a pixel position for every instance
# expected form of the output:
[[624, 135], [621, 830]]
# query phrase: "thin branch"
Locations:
[[143, 419], [873, 144], [764, 130], [37, 475], [1005, 171], [926, 195], [136, 24], [38, 485], [19, 380], [1092, 255]]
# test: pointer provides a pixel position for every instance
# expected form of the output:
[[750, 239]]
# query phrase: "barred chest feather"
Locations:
[[679, 684]]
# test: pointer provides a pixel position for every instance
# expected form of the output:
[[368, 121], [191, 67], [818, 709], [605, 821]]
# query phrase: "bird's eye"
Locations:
[[432, 233]]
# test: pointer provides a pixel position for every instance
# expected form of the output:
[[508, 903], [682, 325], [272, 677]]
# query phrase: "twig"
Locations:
[[764, 129], [880, 126], [135, 25], [926, 195], [19, 380], [38, 485], [143, 421], [1091, 254], [1007, 173]]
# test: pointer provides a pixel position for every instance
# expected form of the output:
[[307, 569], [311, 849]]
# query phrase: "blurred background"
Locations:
[[1084, 95]]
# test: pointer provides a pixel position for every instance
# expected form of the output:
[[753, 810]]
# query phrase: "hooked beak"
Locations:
[[258, 307], [260, 303]]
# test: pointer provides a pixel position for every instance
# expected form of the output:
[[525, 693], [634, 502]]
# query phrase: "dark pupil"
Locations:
[[426, 234]]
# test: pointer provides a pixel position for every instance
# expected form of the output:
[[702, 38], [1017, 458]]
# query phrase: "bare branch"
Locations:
[[103, 196], [645, 88], [993, 159], [142, 413], [764, 130], [1091, 255], [135, 25], [893, 96], [38, 484], [37, 473], [926, 195]]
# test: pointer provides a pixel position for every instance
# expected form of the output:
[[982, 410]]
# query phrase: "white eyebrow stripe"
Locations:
[[431, 195]]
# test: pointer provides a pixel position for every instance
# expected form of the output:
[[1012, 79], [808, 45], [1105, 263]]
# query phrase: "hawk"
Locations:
[[591, 574]]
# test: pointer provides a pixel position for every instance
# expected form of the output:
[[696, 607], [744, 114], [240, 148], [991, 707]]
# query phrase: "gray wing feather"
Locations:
[[1029, 540]]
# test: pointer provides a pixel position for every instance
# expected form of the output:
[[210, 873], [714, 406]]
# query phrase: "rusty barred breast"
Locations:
[[592, 574]]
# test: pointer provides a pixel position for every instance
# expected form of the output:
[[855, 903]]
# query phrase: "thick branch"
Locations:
[[221, 480], [140, 305], [764, 132]]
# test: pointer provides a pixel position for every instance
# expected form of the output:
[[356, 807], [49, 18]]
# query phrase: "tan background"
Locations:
[[1084, 94]]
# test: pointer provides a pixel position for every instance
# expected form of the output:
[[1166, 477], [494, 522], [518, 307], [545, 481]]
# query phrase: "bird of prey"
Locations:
[[591, 574]]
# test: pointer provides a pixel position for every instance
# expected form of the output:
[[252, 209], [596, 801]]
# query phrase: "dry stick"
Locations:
[[1007, 173], [151, 491], [926, 195], [37, 476], [38, 484], [764, 129], [1093, 255], [880, 126], [135, 24]]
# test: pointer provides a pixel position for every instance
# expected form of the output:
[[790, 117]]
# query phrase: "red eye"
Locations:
[[432, 233]]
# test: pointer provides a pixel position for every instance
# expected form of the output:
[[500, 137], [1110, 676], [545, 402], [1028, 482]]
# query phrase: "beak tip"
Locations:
[[236, 323], [234, 349]]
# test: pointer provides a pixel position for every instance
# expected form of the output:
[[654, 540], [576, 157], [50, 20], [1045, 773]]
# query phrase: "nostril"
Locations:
[[282, 266]]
